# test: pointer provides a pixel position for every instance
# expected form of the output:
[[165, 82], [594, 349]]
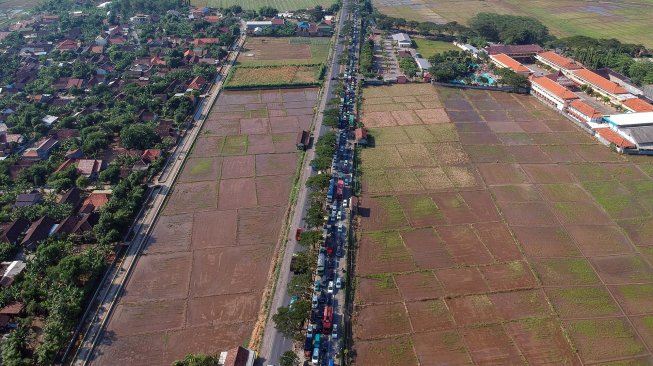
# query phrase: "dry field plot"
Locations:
[[198, 286], [273, 75], [284, 51], [497, 234], [625, 20]]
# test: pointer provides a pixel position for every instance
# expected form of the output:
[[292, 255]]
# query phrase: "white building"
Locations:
[[423, 64], [403, 40], [551, 93]]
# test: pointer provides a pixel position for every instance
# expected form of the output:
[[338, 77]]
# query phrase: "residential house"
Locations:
[[197, 83], [238, 356], [28, 199], [73, 197], [150, 155], [256, 26], [12, 233], [423, 64], [551, 93], [41, 149], [67, 45], [37, 232], [77, 225], [89, 168], [94, 202], [9, 271], [166, 129]]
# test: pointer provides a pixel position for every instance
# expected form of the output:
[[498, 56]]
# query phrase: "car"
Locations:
[[321, 299], [309, 331], [334, 334], [316, 356], [340, 229], [293, 300], [345, 203], [330, 287], [314, 302], [316, 286], [339, 215], [339, 282], [339, 252]]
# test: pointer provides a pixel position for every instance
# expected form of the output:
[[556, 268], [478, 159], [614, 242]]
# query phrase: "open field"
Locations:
[[495, 232], [428, 48], [273, 76], [282, 5], [199, 283], [625, 20], [259, 51]]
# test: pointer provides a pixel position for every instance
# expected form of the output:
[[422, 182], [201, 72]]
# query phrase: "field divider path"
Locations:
[[118, 276]]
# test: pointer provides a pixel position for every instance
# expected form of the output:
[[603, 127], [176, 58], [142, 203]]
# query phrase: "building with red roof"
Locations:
[[598, 83], [583, 112], [637, 105], [67, 45], [551, 93], [197, 83], [504, 61], [200, 42], [608, 136], [94, 202], [515, 51], [557, 62]]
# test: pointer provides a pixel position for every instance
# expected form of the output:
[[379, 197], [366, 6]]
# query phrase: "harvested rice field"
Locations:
[[493, 231], [198, 286], [259, 51], [273, 76], [628, 21]]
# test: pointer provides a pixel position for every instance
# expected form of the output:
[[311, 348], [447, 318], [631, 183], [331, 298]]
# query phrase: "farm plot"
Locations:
[[624, 20], [282, 5], [535, 256], [271, 76], [198, 285], [259, 51]]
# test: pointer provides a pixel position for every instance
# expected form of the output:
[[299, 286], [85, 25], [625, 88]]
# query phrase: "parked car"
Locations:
[[339, 283], [314, 302], [334, 333], [316, 286], [309, 331], [330, 287]]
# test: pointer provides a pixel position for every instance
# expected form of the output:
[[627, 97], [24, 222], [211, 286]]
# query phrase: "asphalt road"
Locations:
[[274, 344], [117, 276]]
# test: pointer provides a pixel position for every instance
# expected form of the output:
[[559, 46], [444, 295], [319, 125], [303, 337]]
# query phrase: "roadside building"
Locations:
[[423, 64], [609, 137], [552, 93], [636, 105], [361, 136], [583, 112], [402, 40], [519, 52], [600, 84], [558, 62], [504, 61], [238, 356]]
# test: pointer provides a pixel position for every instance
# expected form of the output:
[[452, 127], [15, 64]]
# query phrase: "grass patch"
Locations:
[[428, 48], [390, 247], [386, 281], [393, 210], [389, 136], [234, 145], [567, 271], [271, 76], [200, 167], [604, 338], [423, 207], [613, 197]]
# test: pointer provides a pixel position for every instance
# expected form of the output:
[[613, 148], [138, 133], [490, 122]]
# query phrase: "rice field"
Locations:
[[282, 5], [628, 21]]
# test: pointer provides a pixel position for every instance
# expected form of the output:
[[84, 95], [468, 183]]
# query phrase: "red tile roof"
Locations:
[[197, 83], [510, 63], [599, 81], [585, 109], [637, 105], [563, 62], [513, 49], [554, 88], [204, 41], [614, 137]]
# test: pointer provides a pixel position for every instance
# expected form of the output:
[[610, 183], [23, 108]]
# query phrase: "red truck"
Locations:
[[339, 189], [298, 234], [326, 321]]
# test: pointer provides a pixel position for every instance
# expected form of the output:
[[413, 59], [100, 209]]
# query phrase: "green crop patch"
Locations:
[[393, 211], [600, 339], [576, 302], [388, 136], [234, 145], [424, 207], [566, 271], [389, 246]]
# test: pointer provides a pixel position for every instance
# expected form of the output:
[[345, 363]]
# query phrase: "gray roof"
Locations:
[[401, 37], [639, 135], [423, 63]]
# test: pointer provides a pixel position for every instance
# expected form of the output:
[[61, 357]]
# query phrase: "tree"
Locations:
[[94, 142], [268, 11], [318, 182], [138, 136], [316, 13], [310, 238], [509, 29], [82, 181], [289, 320], [300, 284], [197, 360], [513, 79], [289, 358]]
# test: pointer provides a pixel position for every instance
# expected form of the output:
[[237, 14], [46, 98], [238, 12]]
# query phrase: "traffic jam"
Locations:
[[321, 345]]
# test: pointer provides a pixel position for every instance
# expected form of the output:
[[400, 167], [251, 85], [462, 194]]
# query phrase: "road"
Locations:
[[274, 344], [117, 276]]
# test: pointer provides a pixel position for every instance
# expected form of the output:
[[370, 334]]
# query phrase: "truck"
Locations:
[[298, 234], [321, 261], [332, 184], [327, 319], [303, 140], [340, 188]]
